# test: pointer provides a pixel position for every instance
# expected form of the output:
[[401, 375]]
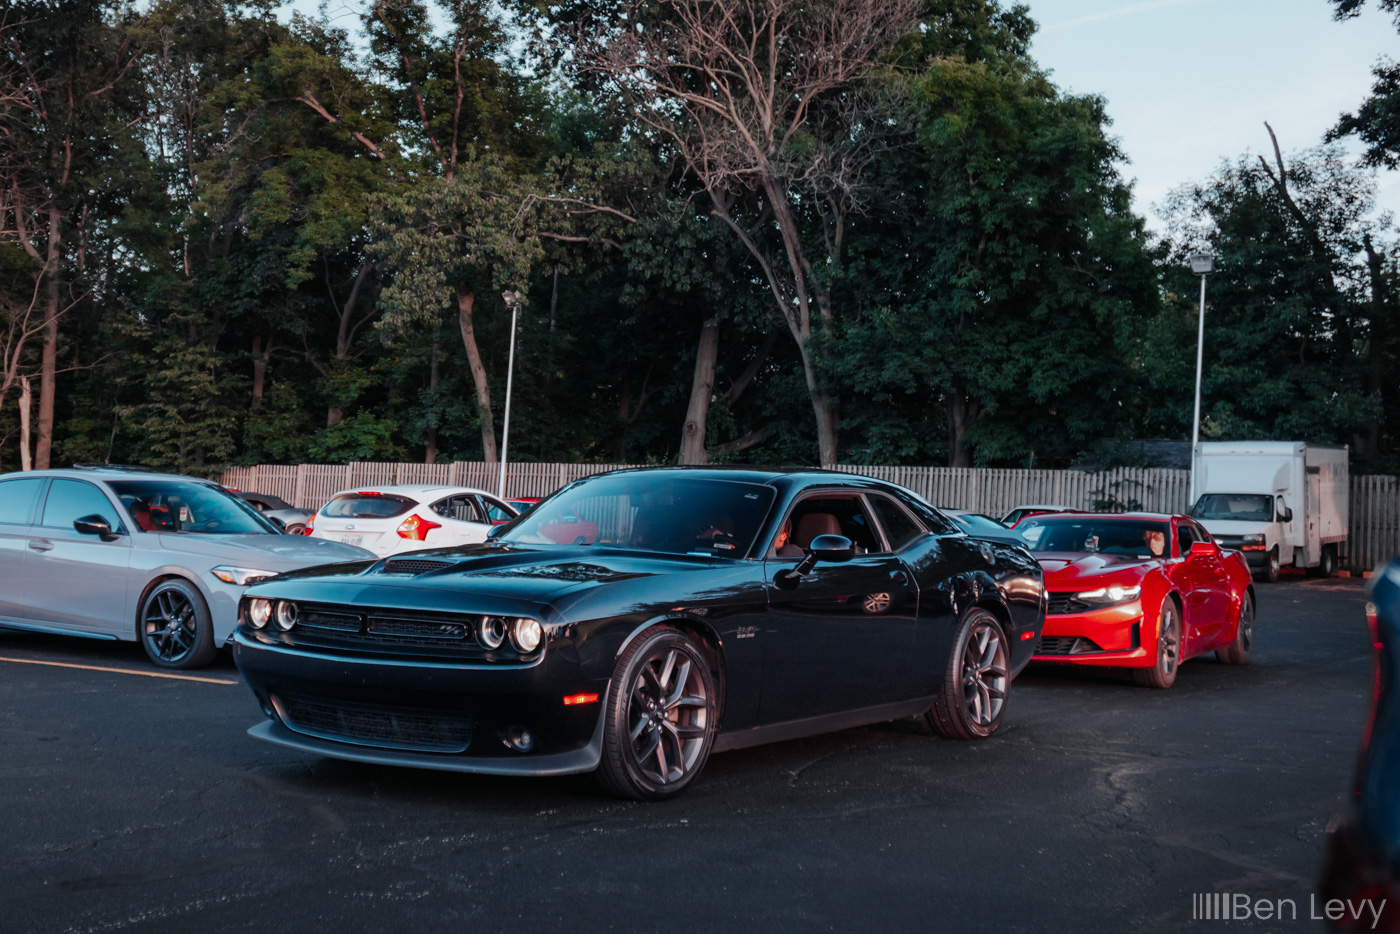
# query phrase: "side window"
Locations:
[[1185, 536], [461, 508], [832, 515], [899, 528], [932, 518], [495, 512], [17, 498], [73, 499]]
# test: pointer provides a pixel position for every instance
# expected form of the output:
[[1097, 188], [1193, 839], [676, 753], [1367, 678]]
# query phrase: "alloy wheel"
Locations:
[[984, 675], [1246, 631], [1170, 640], [169, 625], [667, 717]]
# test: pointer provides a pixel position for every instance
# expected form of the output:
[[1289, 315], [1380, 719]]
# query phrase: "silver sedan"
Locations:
[[112, 553]]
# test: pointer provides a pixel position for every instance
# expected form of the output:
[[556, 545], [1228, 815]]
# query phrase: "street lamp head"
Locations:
[[511, 296], [1202, 263]]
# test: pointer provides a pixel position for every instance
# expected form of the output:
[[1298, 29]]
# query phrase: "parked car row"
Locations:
[[630, 624]]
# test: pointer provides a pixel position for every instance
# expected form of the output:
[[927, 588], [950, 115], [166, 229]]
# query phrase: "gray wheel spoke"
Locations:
[[682, 678], [687, 701], [637, 730], [667, 669], [665, 770]]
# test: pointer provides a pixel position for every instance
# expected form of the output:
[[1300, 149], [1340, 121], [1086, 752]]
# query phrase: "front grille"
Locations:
[[1066, 645], [1063, 603], [1229, 542], [386, 727], [415, 630], [326, 619], [413, 566]]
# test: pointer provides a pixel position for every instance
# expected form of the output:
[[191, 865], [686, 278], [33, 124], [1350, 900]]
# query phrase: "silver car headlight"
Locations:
[[526, 635], [286, 615], [241, 576], [259, 612]]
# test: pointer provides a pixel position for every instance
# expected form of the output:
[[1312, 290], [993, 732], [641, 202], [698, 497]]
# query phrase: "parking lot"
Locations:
[[137, 802]]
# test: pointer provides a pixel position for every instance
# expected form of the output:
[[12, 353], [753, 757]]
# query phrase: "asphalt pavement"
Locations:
[[138, 803]]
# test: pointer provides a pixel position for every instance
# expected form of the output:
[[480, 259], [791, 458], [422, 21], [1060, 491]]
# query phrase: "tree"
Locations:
[[759, 99]]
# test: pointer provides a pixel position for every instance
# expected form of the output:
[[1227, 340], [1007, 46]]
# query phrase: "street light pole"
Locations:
[[512, 299], [1202, 264]]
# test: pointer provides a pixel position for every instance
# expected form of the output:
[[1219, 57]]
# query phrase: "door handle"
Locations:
[[40, 544]]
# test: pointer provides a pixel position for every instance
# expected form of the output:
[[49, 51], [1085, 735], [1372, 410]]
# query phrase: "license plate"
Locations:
[[352, 539]]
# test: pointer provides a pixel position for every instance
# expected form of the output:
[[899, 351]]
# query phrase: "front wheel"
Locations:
[[972, 700], [1237, 652], [1163, 673], [1327, 564], [661, 717], [1269, 572], [175, 627]]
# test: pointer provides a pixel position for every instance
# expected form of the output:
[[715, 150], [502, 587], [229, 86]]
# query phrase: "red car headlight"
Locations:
[[1110, 596]]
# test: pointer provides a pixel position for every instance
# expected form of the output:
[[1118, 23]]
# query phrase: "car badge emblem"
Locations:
[[349, 526]]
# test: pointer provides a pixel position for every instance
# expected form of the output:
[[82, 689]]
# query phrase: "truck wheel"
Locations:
[[1327, 566], [1269, 572]]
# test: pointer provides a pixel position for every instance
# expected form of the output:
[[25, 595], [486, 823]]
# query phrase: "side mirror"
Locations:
[[1285, 514], [495, 530], [832, 548], [281, 526], [1201, 549], [94, 525]]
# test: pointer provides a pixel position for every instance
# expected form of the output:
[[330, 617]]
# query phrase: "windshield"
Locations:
[[973, 520], [188, 506], [1096, 536], [1248, 507], [653, 512]]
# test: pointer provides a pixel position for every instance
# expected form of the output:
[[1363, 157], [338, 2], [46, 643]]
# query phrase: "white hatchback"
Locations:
[[408, 517]]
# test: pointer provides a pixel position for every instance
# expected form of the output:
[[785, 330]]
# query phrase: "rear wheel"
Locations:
[[1163, 674], [175, 628], [1269, 572], [972, 700], [1237, 652], [661, 717], [296, 528], [1327, 565]]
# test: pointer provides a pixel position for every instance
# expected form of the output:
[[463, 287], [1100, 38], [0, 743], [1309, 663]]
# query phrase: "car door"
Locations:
[[496, 512], [1201, 581], [18, 499], [80, 581], [462, 520], [843, 638]]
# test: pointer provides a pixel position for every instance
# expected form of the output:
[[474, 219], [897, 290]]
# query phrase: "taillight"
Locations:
[[310, 524], [417, 528]]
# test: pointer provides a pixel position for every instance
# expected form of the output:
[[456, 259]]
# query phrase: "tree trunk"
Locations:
[[48, 357], [962, 411], [430, 448], [345, 333], [259, 371], [466, 300], [702, 389], [25, 403]]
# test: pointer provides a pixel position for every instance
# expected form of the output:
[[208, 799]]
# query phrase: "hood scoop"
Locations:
[[413, 566]]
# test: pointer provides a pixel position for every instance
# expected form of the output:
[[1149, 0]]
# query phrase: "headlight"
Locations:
[[241, 576], [259, 612], [1252, 540], [525, 635], [1109, 596], [492, 631], [286, 615]]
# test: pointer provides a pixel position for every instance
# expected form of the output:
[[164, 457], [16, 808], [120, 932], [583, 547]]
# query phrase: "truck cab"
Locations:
[[1281, 503]]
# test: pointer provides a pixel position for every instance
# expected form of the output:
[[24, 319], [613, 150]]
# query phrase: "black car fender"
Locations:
[[700, 632]]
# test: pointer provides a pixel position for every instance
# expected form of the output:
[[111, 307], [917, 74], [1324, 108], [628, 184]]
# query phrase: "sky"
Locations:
[[1191, 82]]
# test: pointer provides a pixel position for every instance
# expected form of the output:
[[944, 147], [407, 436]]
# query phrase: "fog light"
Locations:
[[286, 615], [526, 635], [259, 612], [492, 631], [520, 739]]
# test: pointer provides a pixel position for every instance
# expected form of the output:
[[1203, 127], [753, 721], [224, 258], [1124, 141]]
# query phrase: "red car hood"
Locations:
[[1067, 570]]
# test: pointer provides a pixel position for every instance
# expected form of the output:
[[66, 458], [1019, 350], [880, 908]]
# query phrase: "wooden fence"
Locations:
[[1375, 501]]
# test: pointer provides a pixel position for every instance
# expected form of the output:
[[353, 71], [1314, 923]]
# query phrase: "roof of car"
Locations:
[[104, 473], [1139, 516], [750, 473], [411, 489]]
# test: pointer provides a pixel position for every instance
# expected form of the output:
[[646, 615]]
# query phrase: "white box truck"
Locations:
[[1280, 502]]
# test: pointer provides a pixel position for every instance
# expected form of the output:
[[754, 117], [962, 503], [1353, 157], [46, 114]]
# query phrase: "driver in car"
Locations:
[[1156, 542]]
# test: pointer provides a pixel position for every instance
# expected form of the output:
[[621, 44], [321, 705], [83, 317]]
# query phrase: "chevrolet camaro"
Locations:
[[1140, 591], [706, 609]]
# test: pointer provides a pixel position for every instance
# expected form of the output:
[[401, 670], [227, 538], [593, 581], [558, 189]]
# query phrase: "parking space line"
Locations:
[[119, 671]]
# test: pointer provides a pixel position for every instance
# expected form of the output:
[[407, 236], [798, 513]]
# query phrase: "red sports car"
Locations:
[[1140, 591]]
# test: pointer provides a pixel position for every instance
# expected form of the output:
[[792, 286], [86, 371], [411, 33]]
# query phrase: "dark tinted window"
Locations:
[[366, 506], [833, 514], [1187, 535], [73, 499], [462, 508], [932, 518], [16, 499], [899, 528]]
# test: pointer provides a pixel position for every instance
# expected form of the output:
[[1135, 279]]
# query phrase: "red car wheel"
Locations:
[[1163, 674]]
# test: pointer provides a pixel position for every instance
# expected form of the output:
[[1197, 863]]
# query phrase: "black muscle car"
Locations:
[[636, 621]]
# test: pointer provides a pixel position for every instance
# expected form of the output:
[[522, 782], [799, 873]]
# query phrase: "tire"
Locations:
[[972, 700], [1237, 652], [1163, 674], [297, 529], [662, 716], [1327, 566], [1269, 572], [174, 626]]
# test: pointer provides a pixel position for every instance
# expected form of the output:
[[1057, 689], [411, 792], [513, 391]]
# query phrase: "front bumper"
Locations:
[[445, 715], [1113, 637]]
